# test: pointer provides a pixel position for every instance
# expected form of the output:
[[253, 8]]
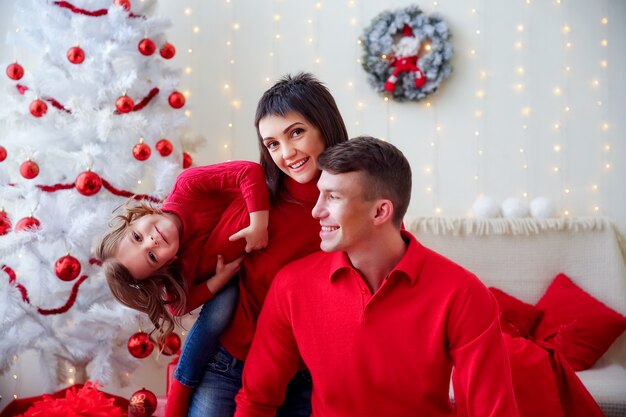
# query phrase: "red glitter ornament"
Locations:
[[167, 51], [88, 183], [124, 3], [140, 345], [15, 71], [38, 108], [187, 161], [171, 345], [141, 151], [143, 403], [146, 47], [67, 268], [164, 147], [3, 153], [29, 169], [5, 223], [25, 223], [76, 55], [176, 100], [124, 104]]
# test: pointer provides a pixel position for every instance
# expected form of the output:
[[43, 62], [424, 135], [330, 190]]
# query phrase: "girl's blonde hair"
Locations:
[[163, 295]]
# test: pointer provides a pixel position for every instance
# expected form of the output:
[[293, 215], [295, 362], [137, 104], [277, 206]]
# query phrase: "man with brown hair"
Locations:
[[379, 320]]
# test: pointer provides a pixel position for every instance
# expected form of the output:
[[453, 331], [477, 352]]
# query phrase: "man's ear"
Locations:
[[384, 211]]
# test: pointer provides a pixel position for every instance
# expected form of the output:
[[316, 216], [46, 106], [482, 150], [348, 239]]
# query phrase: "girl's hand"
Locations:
[[256, 234], [223, 273]]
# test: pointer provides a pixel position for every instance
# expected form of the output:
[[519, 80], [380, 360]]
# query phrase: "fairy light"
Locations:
[[479, 95], [599, 85]]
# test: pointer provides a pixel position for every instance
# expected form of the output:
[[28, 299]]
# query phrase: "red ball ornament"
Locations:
[[171, 345], [25, 223], [143, 403], [164, 147], [76, 55], [187, 161], [88, 183], [167, 51], [5, 223], [124, 104], [146, 47], [38, 108], [29, 169], [67, 268], [140, 345], [141, 151], [3, 153], [124, 3], [15, 71], [176, 100]]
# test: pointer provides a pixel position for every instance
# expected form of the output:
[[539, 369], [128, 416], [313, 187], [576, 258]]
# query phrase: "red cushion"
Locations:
[[581, 327], [517, 318]]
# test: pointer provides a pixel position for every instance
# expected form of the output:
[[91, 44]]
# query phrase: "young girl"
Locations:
[[166, 262]]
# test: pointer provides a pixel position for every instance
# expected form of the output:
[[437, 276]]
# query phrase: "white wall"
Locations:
[[455, 159], [279, 36]]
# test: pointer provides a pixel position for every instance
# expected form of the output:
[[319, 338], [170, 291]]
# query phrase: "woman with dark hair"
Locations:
[[296, 120]]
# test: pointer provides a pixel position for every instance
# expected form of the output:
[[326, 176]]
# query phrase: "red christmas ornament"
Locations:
[[124, 3], [140, 345], [29, 169], [67, 268], [88, 183], [124, 104], [5, 223], [164, 147], [38, 108], [25, 223], [167, 51], [141, 151], [143, 403], [187, 161], [76, 55], [146, 47], [171, 345], [15, 71], [3, 153], [176, 100]]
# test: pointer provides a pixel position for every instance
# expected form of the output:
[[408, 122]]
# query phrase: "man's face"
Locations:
[[346, 218]]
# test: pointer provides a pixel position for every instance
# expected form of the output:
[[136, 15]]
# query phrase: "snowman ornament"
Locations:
[[404, 59]]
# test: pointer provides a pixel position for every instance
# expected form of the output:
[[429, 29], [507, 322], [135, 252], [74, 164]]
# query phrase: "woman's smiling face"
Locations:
[[294, 145]]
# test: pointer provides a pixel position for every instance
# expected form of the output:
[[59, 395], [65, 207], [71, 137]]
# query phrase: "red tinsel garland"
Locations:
[[13, 280], [22, 89], [107, 185], [140, 105], [49, 311], [95, 13], [124, 193], [68, 304]]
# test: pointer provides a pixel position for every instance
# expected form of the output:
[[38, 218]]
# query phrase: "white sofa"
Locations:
[[522, 257]]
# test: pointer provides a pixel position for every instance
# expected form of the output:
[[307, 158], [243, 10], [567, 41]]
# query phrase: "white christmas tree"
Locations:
[[95, 113]]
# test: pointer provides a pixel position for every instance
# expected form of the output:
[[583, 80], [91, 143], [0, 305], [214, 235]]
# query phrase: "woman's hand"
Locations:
[[223, 273], [256, 234]]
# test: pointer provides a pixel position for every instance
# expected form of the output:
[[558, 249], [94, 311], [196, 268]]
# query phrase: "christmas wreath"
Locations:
[[406, 53]]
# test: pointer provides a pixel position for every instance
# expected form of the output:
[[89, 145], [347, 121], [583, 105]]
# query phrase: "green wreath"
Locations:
[[406, 53]]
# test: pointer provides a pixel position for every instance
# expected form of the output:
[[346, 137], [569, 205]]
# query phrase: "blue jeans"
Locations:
[[215, 396], [203, 337]]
